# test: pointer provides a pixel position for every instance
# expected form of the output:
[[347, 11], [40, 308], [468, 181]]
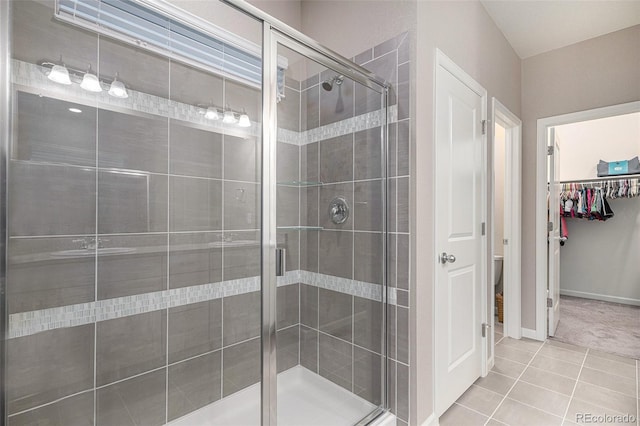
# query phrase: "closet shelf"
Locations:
[[602, 179]]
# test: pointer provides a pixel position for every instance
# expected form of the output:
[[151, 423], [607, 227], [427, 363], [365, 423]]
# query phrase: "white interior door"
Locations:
[[459, 273], [554, 232]]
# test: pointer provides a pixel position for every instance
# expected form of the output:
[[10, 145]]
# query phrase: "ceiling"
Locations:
[[534, 27]]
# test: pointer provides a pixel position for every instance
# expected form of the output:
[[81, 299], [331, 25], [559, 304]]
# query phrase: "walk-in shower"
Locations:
[[196, 233]]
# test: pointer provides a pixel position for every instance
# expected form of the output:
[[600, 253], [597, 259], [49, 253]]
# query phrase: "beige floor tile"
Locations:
[[496, 382], [512, 353], [569, 423], [556, 366], [517, 414], [566, 346], [494, 422], [610, 366], [612, 357], [579, 408], [543, 399], [605, 398], [508, 367], [522, 344], [609, 381], [457, 415], [548, 380], [480, 399], [562, 354]]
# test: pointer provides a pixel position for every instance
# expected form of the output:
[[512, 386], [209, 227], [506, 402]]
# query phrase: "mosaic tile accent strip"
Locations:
[[27, 323]]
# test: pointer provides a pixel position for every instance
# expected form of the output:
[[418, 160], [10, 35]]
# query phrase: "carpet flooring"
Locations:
[[604, 326]]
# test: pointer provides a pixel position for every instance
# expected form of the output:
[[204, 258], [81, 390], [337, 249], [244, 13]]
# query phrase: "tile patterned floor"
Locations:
[[549, 384]]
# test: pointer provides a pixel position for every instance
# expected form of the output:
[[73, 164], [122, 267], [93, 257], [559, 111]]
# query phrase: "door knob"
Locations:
[[444, 258]]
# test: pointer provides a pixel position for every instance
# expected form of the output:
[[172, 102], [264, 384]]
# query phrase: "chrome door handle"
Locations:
[[447, 258], [280, 262]]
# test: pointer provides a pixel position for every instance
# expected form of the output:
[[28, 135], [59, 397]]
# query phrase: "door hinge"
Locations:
[[482, 228], [505, 242], [549, 302], [484, 127], [485, 328], [550, 226], [550, 150]]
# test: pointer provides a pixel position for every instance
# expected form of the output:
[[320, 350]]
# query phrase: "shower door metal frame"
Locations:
[[5, 134], [272, 37]]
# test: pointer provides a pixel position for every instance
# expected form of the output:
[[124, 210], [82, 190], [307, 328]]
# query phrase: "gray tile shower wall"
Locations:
[[113, 202], [340, 334]]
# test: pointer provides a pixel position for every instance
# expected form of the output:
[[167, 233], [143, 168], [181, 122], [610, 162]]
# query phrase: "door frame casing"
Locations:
[[512, 275], [543, 124], [443, 61]]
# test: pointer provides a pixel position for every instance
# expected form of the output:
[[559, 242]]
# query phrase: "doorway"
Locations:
[[574, 174], [506, 223]]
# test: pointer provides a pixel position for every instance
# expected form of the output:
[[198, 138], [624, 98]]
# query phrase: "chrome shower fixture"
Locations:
[[328, 84]]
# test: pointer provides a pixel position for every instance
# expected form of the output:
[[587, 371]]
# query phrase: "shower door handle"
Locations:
[[280, 262]]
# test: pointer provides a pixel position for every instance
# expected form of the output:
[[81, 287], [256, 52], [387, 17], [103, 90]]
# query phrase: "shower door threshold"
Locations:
[[304, 399]]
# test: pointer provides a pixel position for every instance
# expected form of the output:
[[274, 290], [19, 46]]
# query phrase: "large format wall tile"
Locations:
[[130, 345], [287, 341], [242, 159], [368, 206], [310, 108], [368, 261], [309, 348], [137, 68], [196, 204], [290, 241], [51, 200], [47, 131], [194, 384], [288, 167], [36, 36], [243, 98], [368, 149], [76, 410], [289, 110], [287, 206], [137, 401], [337, 104], [335, 361], [140, 268], [195, 259], [336, 253], [309, 305], [336, 159], [135, 142], [241, 317], [194, 329], [368, 324], [335, 313], [241, 205], [194, 152], [42, 275], [288, 306], [49, 365], [193, 86], [367, 375], [131, 202], [242, 259], [241, 366]]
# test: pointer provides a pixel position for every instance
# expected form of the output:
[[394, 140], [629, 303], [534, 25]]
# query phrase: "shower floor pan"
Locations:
[[304, 399]]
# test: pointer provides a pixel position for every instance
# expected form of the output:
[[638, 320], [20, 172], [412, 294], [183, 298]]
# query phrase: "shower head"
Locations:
[[328, 84]]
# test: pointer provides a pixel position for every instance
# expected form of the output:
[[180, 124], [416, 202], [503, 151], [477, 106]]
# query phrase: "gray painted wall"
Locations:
[[595, 73]]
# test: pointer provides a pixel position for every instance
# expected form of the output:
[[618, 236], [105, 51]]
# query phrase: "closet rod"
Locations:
[[603, 179]]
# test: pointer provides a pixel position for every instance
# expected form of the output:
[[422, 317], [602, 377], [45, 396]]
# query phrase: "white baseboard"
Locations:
[[531, 334], [432, 420], [603, 297]]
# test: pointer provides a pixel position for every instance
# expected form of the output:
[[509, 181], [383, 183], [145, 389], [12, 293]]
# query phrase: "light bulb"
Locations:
[[244, 121], [59, 74], [91, 83], [117, 89], [229, 117], [212, 114]]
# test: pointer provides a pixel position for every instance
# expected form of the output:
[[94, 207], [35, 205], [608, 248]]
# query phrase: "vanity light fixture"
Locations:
[[244, 120], [117, 89], [75, 110], [229, 117], [90, 82], [212, 114], [59, 74]]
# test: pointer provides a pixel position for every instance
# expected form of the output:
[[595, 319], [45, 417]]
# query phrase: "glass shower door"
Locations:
[[330, 220]]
